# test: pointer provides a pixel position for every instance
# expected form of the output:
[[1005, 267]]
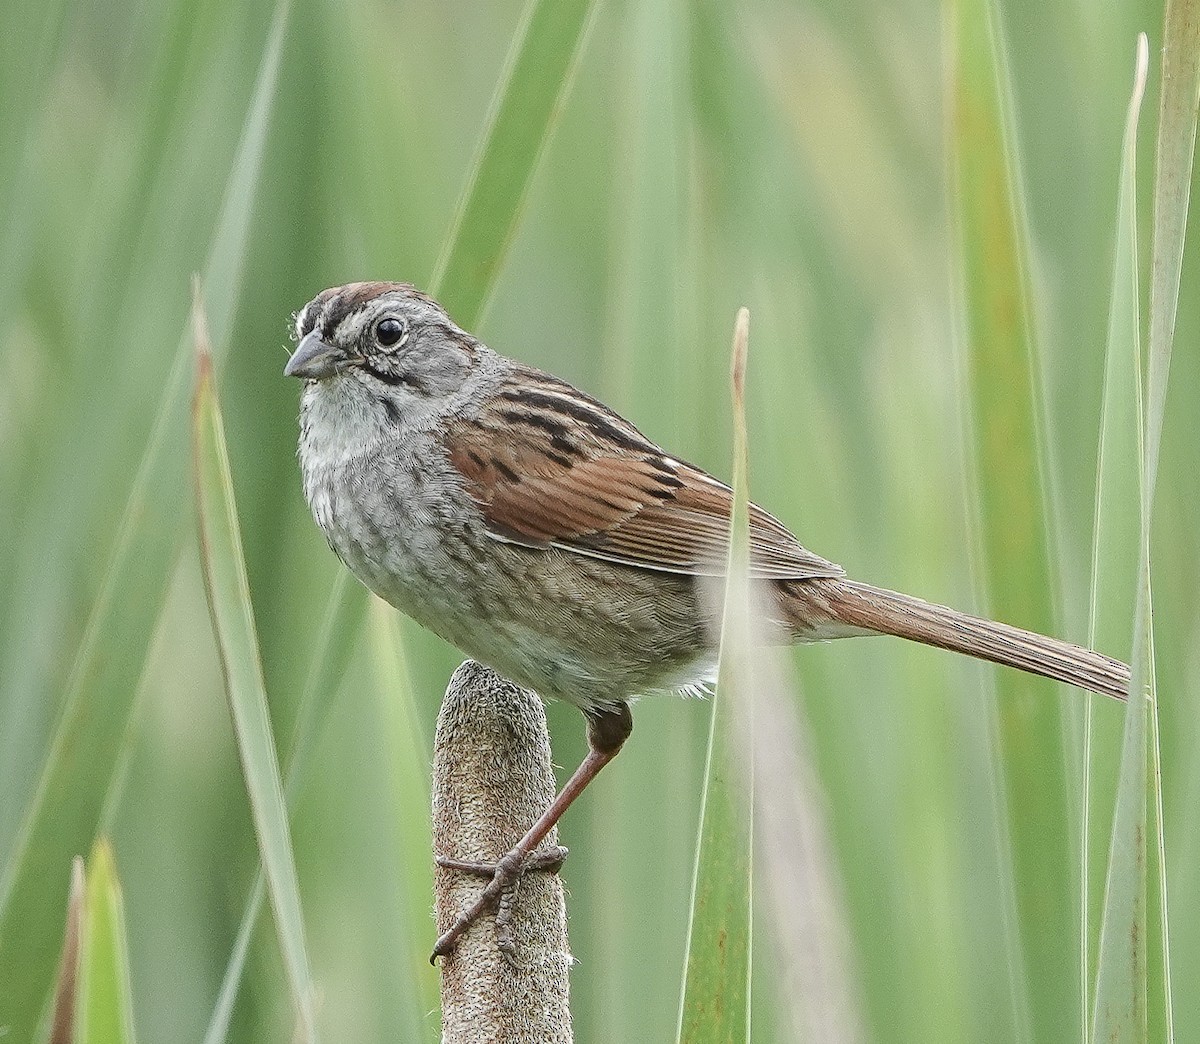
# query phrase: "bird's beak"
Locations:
[[313, 359]]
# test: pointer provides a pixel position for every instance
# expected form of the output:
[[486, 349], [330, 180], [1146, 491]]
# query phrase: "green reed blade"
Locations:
[[1133, 980], [1115, 580], [529, 96], [228, 593], [715, 1003], [104, 1004], [1003, 372], [1118, 1005], [1174, 169]]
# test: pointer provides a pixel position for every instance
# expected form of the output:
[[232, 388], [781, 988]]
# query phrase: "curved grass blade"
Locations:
[[715, 1003], [533, 86], [228, 594], [1116, 540], [1002, 371], [61, 819], [103, 1007]]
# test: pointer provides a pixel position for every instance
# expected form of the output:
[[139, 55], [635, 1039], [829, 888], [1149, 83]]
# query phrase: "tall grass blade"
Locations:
[[1133, 990], [715, 1004], [536, 78], [104, 1005], [335, 642], [237, 642], [1118, 1006], [1175, 160], [62, 817], [1003, 372]]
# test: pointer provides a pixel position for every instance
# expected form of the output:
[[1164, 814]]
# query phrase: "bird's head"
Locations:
[[386, 345]]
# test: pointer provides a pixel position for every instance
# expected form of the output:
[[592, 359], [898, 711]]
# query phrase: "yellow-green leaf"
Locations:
[[103, 1004]]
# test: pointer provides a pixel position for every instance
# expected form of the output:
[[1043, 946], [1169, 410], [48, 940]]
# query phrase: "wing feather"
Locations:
[[551, 467]]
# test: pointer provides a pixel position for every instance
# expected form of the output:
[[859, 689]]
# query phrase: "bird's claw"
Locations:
[[502, 888]]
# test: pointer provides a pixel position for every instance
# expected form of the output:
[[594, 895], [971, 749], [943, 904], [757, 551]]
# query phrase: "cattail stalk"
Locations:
[[492, 777]]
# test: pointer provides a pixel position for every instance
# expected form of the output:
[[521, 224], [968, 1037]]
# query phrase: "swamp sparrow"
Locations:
[[541, 533]]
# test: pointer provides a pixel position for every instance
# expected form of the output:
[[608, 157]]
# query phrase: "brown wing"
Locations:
[[551, 467]]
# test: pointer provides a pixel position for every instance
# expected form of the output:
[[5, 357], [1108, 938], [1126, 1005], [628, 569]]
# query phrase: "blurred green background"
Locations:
[[790, 156]]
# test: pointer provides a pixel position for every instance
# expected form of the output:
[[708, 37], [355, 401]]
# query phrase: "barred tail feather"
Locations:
[[827, 608]]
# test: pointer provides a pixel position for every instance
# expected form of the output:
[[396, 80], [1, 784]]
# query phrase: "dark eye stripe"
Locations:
[[394, 379]]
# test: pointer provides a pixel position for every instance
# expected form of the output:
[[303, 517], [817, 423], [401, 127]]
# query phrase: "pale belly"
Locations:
[[565, 625]]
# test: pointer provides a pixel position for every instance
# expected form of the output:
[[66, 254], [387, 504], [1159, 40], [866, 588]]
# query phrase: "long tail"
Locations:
[[819, 608]]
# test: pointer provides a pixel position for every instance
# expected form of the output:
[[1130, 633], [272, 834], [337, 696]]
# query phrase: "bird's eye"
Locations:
[[389, 331]]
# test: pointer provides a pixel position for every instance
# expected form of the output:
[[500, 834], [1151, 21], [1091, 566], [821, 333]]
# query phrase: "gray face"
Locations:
[[383, 342]]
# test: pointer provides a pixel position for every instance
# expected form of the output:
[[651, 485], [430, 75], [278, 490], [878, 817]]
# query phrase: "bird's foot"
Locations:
[[503, 884]]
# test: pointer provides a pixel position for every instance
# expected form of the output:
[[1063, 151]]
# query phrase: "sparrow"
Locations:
[[533, 527]]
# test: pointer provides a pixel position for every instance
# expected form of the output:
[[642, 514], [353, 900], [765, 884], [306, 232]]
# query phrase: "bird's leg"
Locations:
[[607, 730]]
